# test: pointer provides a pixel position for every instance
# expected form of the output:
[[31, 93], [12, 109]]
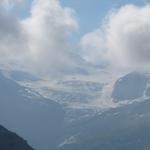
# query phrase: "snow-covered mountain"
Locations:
[[126, 126], [84, 112], [122, 128], [76, 94], [73, 91]]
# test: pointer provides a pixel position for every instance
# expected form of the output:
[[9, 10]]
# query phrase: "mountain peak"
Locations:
[[130, 86]]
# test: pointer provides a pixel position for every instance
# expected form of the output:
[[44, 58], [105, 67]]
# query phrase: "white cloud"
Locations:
[[126, 36], [11, 39], [93, 48], [9, 4], [48, 29], [39, 42]]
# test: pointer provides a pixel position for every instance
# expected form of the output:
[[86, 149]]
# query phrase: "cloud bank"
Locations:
[[93, 47], [40, 42], [125, 38], [12, 4]]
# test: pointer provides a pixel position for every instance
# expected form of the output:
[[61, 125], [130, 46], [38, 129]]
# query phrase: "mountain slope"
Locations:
[[123, 128], [36, 119], [11, 141]]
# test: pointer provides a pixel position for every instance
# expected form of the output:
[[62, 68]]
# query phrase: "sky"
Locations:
[[57, 36], [90, 13]]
